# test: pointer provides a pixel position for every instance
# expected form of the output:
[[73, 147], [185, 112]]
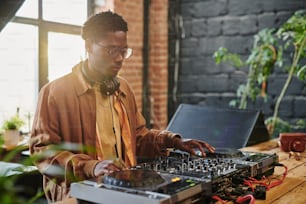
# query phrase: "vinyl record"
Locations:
[[133, 178]]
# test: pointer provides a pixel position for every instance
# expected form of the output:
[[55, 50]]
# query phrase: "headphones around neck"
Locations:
[[108, 86]]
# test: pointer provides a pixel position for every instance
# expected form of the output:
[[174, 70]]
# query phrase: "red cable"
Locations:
[[265, 181], [242, 199], [273, 184], [217, 198], [250, 183]]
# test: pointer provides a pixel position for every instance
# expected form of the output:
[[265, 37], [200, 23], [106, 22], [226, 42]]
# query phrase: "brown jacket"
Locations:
[[65, 123]]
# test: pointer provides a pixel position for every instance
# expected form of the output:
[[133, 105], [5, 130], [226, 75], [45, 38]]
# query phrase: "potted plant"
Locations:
[[11, 132], [265, 56]]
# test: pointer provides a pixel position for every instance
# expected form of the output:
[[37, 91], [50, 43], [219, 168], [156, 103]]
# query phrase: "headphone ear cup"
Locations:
[[110, 86]]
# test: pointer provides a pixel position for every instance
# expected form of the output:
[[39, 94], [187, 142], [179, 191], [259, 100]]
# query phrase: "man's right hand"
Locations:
[[106, 167]]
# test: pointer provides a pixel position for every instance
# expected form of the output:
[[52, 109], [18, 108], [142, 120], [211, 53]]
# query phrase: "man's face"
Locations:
[[105, 56]]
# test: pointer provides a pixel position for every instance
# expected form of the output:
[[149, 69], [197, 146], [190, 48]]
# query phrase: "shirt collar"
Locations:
[[82, 85]]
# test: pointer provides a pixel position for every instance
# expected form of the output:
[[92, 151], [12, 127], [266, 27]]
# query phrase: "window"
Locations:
[[19, 70], [63, 56], [41, 43], [29, 9], [68, 11]]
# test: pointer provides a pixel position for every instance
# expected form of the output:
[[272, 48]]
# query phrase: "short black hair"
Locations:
[[101, 23]]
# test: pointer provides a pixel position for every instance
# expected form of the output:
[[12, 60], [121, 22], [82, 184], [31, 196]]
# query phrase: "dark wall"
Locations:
[[209, 24], [8, 9]]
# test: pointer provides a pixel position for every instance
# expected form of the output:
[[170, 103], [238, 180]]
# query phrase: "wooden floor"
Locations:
[[293, 188]]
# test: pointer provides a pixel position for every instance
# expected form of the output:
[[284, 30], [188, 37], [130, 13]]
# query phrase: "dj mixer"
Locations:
[[178, 178]]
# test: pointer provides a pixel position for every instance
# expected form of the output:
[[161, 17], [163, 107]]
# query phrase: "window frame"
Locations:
[[44, 27]]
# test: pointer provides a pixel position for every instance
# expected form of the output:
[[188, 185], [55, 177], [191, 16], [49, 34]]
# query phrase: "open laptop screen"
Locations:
[[222, 128]]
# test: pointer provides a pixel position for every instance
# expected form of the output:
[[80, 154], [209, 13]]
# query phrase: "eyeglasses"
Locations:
[[115, 51]]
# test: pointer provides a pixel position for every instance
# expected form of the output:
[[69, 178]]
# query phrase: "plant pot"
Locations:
[[11, 138]]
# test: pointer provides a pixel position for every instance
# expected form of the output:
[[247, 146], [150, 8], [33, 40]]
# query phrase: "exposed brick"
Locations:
[[199, 28], [187, 85], [238, 8], [264, 104], [186, 31], [281, 17], [236, 79], [299, 106], [132, 68], [274, 5], [187, 64], [215, 83], [231, 25], [248, 25], [208, 45], [218, 100], [286, 107], [159, 61], [204, 65], [187, 9], [209, 8], [276, 83], [207, 25], [266, 20], [214, 26], [190, 43], [238, 44]]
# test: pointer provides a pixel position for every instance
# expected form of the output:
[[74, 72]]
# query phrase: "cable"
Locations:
[[278, 182], [217, 198], [242, 199], [265, 181]]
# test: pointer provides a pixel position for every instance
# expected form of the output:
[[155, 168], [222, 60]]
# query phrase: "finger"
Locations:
[[120, 163], [113, 167], [191, 147], [200, 147], [105, 167], [208, 147]]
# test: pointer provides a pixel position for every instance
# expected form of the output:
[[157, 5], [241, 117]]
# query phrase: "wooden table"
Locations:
[[293, 188]]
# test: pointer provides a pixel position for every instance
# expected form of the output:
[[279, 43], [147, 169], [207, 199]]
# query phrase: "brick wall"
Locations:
[[158, 62], [133, 12], [232, 24], [207, 25]]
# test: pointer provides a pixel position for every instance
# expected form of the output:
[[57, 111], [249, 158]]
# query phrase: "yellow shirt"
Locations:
[[107, 127]]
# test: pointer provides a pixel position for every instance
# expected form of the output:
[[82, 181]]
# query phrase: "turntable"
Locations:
[[134, 178], [139, 186]]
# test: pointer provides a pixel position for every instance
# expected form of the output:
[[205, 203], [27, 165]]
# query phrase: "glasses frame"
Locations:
[[113, 51]]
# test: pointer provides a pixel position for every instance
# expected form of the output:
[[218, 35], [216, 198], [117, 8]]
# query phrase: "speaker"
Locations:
[[222, 128]]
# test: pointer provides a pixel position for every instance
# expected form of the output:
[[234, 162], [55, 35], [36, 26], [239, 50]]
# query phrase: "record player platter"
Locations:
[[133, 178]]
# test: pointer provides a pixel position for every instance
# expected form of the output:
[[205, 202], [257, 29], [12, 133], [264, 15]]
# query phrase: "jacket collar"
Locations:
[[82, 86]]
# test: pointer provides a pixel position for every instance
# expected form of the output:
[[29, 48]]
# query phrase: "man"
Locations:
[[87, 123]]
